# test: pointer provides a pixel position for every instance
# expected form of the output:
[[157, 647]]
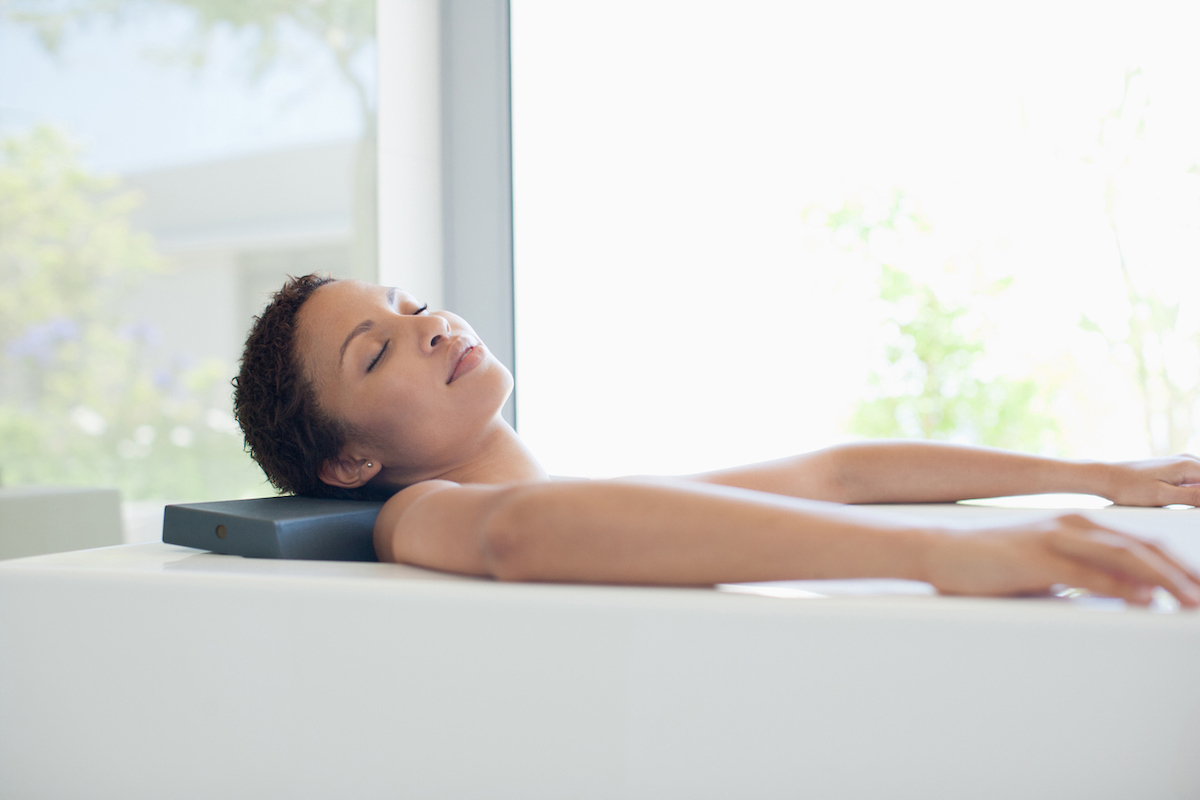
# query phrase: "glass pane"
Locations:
[[747, 230], [163, 165]]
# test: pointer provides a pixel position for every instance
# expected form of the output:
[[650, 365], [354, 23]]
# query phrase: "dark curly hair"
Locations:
[[286, 430]]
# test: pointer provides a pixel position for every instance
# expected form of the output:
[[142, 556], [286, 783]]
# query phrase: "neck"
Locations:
[[503, 458]]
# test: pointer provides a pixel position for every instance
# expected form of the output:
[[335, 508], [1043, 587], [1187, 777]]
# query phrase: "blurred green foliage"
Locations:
[[932, 386], [933, 381], [86, 396]]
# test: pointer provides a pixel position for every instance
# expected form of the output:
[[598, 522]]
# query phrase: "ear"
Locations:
[[348, 472]]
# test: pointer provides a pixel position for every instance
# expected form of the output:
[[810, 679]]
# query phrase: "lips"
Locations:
[[465, 355]]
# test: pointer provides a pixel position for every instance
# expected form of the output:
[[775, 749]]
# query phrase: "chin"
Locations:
[[509, 382], [501, 388]]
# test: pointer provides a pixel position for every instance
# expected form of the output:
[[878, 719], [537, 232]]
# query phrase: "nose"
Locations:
[[433, 331]]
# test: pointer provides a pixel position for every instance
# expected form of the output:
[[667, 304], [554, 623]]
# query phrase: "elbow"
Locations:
[[838, 475], [505, 537]]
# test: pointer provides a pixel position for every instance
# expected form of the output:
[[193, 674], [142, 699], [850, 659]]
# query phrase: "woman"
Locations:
[[355, 390]]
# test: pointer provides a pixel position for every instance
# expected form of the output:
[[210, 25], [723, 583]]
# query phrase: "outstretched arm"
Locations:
[[688, 533], [931, 472]]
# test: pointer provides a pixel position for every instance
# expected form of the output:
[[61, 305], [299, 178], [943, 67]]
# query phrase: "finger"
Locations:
[[1128, 558], [1171, 576], [1101, 582], [1149, 558], [1184, 493], [1083, 524], [1188, 467], [1170, 557]]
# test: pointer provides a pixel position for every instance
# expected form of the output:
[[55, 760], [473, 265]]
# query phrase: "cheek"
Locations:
[[417, 418], [403, 407], [424, 424]]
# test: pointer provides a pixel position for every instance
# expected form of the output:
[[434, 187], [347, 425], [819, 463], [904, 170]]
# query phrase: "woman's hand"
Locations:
[[1069, 549], [1155, 482]]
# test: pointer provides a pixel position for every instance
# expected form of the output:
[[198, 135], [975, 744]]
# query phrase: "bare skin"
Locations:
[[427, 397]]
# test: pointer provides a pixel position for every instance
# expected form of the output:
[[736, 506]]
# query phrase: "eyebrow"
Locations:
[[361, 327], [364, 326]]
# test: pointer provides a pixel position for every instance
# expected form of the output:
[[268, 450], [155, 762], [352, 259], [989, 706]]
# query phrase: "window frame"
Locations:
[[445, 162]]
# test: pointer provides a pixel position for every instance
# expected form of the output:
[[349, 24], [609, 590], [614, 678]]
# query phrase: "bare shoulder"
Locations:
[[438, 524], [389, 519]]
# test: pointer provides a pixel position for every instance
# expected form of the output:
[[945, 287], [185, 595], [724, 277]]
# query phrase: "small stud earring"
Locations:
[[369, 465]]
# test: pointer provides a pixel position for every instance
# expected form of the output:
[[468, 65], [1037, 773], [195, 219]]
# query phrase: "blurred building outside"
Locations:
[[199, 153], [231, 230]]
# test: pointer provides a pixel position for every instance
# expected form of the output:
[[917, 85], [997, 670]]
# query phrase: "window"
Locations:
[[164, 165], [747, 230]]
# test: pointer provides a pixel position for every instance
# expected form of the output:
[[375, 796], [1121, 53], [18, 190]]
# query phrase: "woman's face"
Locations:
[[418, 386]]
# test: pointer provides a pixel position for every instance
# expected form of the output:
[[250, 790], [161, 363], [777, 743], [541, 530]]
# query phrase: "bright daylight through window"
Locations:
[[746, 230], [163, 165]]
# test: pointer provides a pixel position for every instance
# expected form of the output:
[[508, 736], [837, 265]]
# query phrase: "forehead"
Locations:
[[342, 295], [334, 302], [329, 314]]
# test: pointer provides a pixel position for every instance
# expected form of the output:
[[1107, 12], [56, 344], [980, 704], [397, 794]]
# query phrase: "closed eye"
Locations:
[[424, 307], [375, 360]]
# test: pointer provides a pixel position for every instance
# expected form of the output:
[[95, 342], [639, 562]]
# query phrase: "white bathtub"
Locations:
[[153, 671]]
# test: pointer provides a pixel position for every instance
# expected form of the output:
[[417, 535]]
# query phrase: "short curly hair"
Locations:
[[286, 430]]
